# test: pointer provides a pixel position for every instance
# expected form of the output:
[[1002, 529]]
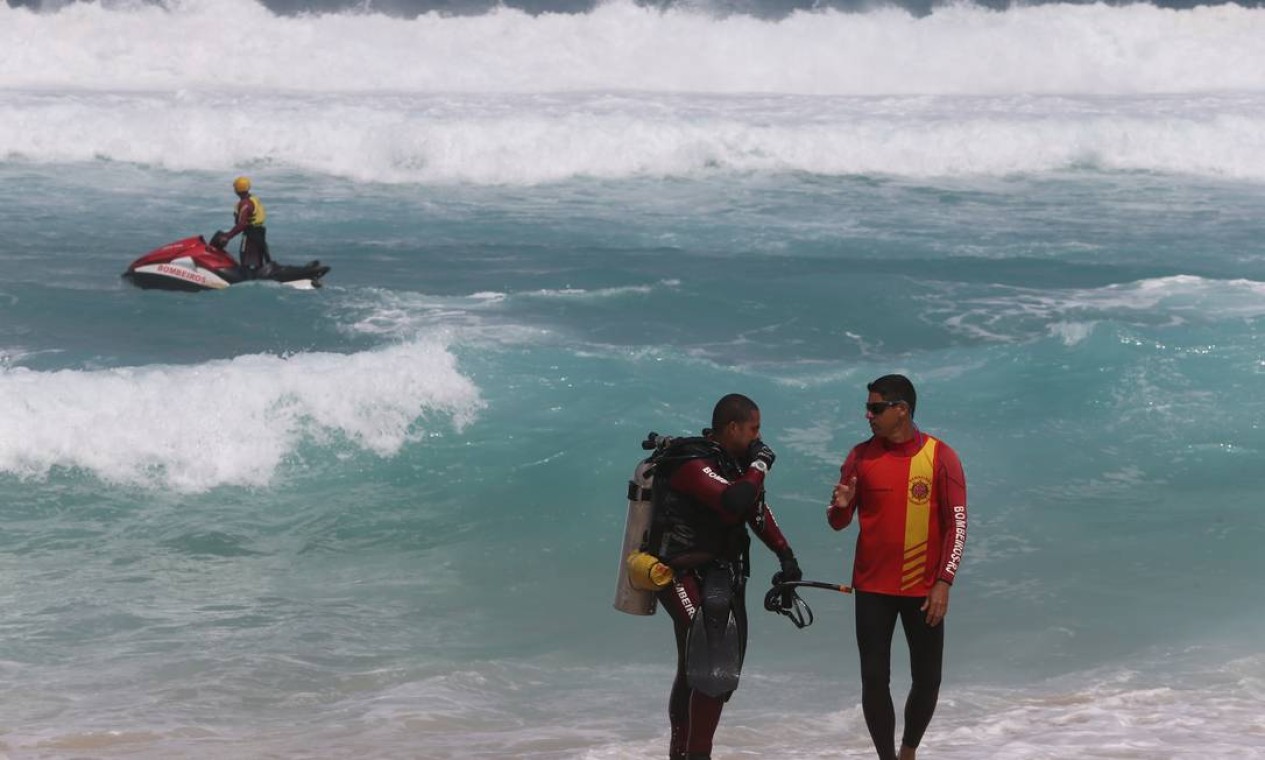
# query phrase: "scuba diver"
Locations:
[[707, 490], [248, 218]]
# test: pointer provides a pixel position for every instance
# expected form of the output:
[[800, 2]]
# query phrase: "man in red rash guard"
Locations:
[[714, 491], [248, 219], [910, 494]]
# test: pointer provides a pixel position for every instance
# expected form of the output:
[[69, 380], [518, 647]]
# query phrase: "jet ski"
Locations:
[[193, 264]]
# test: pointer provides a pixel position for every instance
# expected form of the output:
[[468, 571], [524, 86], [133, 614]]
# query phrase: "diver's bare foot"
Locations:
[[907, 753]]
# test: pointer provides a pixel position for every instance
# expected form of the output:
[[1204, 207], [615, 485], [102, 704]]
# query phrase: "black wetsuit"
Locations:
[[254, 252], [693, 714], [876, 616]]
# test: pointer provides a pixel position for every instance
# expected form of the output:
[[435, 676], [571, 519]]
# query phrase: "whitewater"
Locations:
[[382, 519]]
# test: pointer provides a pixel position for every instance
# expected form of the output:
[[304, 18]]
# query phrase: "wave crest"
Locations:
[[231, 422], [620, 46]]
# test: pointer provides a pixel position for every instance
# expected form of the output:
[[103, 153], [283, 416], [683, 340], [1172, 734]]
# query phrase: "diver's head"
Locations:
[[735, 424], [241, 185]]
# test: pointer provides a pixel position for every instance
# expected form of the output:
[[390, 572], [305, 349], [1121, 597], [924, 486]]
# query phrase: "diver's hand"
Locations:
[[761, 455], [790, 571]]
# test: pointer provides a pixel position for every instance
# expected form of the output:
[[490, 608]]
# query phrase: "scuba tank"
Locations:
[[630, 598], [641, 574], [642, 569]]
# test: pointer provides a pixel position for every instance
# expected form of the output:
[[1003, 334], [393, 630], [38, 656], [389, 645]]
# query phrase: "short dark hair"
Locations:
[[895, 388], [732, 408]]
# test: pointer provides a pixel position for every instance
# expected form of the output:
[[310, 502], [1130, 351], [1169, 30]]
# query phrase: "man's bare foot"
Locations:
[[907, 753]]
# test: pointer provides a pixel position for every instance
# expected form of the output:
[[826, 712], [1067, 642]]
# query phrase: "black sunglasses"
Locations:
[[878, 407]]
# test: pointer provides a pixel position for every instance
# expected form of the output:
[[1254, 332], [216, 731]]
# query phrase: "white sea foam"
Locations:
[[14, 355], [1166, 712], [596, 294], [404, 315], [1071, 333], [525, 140], [480, 317], [1012, 313], [192, 428], [624, 91], [1105, 715], [238, 44]]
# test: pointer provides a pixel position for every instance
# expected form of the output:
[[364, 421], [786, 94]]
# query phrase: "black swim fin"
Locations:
[[714, 652]]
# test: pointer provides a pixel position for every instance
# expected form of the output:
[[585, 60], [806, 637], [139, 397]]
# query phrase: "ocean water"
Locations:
[[382, 519]]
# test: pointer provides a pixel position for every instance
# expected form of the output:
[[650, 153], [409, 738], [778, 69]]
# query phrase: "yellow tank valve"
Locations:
[[647, 573]]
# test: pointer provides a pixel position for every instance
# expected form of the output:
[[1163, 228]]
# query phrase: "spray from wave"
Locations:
[[623, 47], [233, 422], [629, 91]]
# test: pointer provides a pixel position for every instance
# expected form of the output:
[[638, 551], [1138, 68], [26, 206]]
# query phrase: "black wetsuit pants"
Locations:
[[254, 252], [693, 714], [876, 616]]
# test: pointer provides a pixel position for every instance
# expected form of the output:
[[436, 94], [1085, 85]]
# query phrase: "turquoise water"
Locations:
[[382, 519]]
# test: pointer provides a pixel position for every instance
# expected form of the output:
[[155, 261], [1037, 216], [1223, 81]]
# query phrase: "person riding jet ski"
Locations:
[[248, 218]]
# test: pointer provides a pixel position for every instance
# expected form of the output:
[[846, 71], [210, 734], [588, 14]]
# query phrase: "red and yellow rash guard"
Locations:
[[701, 480], [249, 212], [911, 498]]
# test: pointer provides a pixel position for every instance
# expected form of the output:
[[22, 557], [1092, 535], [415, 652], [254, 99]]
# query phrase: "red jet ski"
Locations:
[[194, 264]]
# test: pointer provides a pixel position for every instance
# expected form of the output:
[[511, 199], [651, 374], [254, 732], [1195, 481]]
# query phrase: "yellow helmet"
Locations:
[[241, 184]]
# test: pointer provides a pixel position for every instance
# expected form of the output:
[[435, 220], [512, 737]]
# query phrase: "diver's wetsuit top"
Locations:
[[728, 504], [911, 498], [713, 502]]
